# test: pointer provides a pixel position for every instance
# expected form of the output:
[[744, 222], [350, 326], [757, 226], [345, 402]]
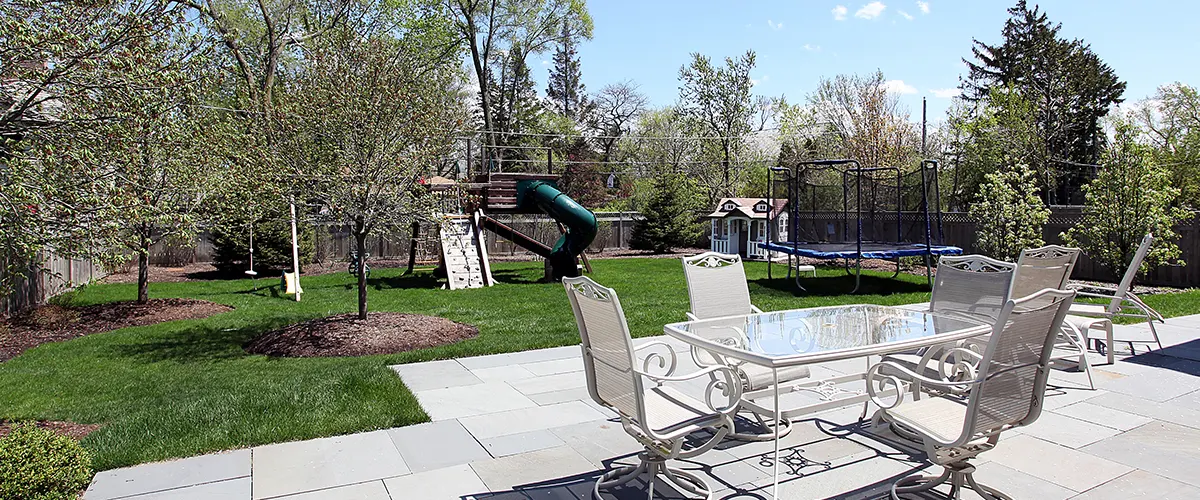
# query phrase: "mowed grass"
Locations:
[[187, 387]]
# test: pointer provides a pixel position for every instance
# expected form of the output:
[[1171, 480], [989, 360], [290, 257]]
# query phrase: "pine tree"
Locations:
[[565, 88], [669, 217], [1068, 84], [516, 107]]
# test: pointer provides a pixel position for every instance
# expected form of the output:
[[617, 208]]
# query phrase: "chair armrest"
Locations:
[[1131, 297], [662, 359], [755, 309], [723, 378], [877, 382], [1096, 295], [691, 317]]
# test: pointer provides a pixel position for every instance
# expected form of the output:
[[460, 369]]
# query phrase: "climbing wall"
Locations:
[[464, 252]]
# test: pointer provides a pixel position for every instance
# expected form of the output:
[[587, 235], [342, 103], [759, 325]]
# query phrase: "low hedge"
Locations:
[[38, 464]]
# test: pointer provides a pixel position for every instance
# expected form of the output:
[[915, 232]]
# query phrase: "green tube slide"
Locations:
[[580, 223]]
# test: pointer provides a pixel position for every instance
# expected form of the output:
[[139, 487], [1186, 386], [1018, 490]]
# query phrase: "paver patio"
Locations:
[[521, 426]]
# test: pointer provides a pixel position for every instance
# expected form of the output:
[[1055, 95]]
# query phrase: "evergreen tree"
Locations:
[[565, 88], [669, 216], [516, 108], [1069, 86]]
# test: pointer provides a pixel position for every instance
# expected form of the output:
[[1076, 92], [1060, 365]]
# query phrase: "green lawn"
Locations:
[[187, 387]]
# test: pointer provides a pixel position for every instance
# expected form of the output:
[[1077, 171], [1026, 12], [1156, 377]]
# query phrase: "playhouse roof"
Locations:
[[752, 208]]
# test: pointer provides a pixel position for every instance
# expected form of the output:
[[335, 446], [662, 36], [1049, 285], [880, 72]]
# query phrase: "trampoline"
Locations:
[[869, 250], [861, 203]]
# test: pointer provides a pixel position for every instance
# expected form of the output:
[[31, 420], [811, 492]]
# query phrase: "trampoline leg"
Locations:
[[897, 273], [857, 276]]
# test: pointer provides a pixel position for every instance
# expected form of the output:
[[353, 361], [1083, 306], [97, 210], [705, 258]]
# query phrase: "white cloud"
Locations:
[[839, 13], [899, 87], [545, 62], [924, 6], [949, 93], [774, 25], [753, 82], [812, 48], [766, 78], [906, 15], [871, 10]]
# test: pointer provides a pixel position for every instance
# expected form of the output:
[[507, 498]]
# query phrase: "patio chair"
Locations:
[[1122, 303], [656, 415], [972, 286], [1050, 267], [1004, 390], [717, 288]]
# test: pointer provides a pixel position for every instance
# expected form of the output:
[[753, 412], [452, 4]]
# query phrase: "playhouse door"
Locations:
[[735, 237]]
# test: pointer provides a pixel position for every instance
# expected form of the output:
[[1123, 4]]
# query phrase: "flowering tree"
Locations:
[[1130, 197], [367, 116], [1008, 213]]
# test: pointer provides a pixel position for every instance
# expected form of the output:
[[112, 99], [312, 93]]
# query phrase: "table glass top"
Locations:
[[825, 329]]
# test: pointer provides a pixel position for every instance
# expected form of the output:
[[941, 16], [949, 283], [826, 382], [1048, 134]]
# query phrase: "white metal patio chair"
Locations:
[[1004, 389], [717, 288], [974, 286], [656, 415], [1122, 303], [1050, 267]]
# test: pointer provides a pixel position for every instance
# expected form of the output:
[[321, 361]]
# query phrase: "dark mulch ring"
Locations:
[[69, 429], [53, 323], [346, 335]]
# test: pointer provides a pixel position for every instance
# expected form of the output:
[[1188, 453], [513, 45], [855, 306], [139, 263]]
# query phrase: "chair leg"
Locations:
[[652, 467], [960, 475], [1154, 331], [1108, 337], [770, 432]]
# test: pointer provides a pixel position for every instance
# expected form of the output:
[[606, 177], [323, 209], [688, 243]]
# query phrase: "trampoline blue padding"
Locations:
[[870, 250]]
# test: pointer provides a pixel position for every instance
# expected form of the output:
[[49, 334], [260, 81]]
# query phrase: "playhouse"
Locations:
[[739, 225]]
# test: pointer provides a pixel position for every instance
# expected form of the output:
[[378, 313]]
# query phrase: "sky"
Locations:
[[918, 45]]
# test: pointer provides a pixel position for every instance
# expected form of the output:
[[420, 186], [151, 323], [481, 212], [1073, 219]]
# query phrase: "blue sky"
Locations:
[[1148, 43]]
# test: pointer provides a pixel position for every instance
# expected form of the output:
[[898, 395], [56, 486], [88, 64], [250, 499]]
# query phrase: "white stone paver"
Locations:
[[159, 476], [529, 419], [451, 483], [466, 401], [301, 466], [1108, 417], [435, 375], [371, 490], [525, 421]]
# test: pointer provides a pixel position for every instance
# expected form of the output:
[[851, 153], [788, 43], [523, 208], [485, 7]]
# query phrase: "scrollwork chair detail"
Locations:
[[651, 411], [717, 288], [1006, 391]]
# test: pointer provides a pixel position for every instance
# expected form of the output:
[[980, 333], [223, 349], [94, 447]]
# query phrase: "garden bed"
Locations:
[[63, 428], [53, 323], [347, 335]]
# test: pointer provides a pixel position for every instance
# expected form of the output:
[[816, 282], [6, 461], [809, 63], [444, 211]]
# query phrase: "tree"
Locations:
[[719, 99], [1068, 85], [1008, 213], [993, 134], [868, 121], [272, 240], [57, 58], [664, 142], [370, 114], [565, 88], [516, 111], [526, 26], [669, 216], [1129, 198], [616, 107], [1171, 125]]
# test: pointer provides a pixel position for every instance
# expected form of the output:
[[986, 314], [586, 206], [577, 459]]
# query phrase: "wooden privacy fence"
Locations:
[[958, 229], [56, 275], [334, 242]]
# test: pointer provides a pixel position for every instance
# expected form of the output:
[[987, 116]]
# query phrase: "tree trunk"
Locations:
[[360, 239], [143, 290]]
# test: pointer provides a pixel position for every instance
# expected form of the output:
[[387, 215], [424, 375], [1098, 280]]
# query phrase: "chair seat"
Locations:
[[759, 377], [941, 418], [669, 411], [1088, 309], [1085, 322]]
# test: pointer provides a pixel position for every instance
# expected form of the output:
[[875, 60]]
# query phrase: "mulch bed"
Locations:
[[346, 335], [53, 323], [69, 429]]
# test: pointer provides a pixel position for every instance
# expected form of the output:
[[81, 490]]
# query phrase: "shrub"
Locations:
[[669, 216], [1130, 196], [1008, 213], [37, 464]]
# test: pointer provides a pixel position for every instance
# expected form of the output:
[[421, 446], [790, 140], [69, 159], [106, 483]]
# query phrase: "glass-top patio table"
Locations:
[[783, 339]]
